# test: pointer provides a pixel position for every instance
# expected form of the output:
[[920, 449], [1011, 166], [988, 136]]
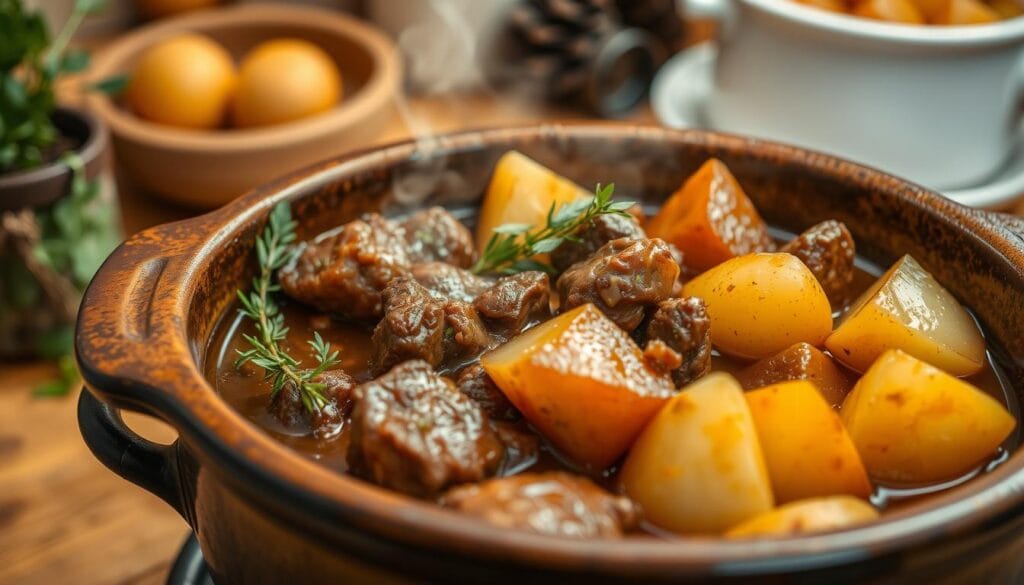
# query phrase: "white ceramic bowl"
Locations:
[[937, 104]]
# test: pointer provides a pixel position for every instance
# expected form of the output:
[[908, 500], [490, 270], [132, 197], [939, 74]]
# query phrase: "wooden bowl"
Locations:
[[206, 169], [266, 514]]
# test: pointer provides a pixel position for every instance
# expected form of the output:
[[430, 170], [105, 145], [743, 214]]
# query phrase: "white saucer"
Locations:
[[684, 83]]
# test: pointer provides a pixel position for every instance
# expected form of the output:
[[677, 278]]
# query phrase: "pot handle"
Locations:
[[149, 465]]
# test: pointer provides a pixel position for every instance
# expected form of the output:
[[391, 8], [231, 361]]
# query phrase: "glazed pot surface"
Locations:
[[265, 514]]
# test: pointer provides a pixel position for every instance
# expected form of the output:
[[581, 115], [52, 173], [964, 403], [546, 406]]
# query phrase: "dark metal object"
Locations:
[[189, 567]]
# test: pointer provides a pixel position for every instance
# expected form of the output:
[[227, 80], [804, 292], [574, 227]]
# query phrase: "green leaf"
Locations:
[[546, 246], [513, 228], [56, 343], [112, 86], [91, 6], [74, 61]]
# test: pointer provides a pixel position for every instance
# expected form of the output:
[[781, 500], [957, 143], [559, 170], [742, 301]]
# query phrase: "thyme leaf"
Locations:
[[274, 250], [513, 246]]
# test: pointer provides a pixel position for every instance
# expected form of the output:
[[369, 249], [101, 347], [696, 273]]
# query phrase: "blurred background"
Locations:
[[119, 115]]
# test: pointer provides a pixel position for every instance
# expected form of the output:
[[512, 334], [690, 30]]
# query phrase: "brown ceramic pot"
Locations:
[[264, 514]]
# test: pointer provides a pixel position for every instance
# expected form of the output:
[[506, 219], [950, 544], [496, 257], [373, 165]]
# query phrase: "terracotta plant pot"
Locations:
[[38, 188], [265, 514]]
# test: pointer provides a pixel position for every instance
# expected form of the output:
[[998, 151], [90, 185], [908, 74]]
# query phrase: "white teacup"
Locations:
[[938, 105]]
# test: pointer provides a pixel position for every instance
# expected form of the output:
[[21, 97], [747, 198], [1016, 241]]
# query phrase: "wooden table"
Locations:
[[64, 518]]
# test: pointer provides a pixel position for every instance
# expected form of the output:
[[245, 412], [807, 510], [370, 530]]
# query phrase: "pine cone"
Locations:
[[658, 17], [553, 49]]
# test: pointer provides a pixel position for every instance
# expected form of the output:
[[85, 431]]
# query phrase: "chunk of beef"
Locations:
[[683, 325], [345, 272], [474, 382], [522, 445], [591, 236], [324, 423], [435, 235], [412, 328], [828, 250], [622, 279], [414, 432], [661, 358], [450, 282], [465, 335], [553, 503], [515, 301]]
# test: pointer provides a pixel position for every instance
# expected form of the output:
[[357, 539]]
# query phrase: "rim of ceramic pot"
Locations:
[[179, 393], [384, 79], [844, 25], [47, 183]]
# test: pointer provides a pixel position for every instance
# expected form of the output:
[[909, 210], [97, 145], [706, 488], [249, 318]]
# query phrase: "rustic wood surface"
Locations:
[[64, 518]]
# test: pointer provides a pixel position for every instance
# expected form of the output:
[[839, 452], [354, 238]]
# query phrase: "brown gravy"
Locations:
[[246, 391]]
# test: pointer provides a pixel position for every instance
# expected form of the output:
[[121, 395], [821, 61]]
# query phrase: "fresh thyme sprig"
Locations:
[[273, 251], [513, 246]]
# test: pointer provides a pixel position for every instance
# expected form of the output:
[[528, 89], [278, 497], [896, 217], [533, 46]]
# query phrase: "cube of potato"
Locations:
[[830, 5], [899, 11], [522, 191], [1006, 8], [929, 9], [800, 361], [805, 446], [582, 382], [907, 309], [710, 219], [963, 12], [697, 467], [760, 304], [807, 517], [913, 423]]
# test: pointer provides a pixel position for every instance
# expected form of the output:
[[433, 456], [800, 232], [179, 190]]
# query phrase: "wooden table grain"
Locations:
[[64, 518]]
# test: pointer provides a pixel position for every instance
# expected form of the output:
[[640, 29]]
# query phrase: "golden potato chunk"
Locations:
[[908, 309], [760, 304], [962, 12], [698, 467], [807, 517], [582, 382], [913, 423], [805, 445], [898, 11], [522, 191]]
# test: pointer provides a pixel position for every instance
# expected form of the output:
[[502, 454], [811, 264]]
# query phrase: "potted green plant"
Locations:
[[58, 220]]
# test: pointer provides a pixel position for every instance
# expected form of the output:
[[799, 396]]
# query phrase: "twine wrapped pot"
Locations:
[[53, 233]]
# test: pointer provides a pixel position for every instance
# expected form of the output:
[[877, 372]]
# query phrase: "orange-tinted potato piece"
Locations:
[[582, 382], [800, 361], [830, 5], [710, 219], [900, 11], [806, 448], [1006, 8], [957, 12]]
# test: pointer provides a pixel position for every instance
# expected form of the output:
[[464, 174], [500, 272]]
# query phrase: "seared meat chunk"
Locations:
[[435, 235], [661, 358], [450, 282], [684, 326], [464, 334], [414, 432], [515, 301], [345, 272], [622, 279], [828, 250], [324, 423], [412, 328], [591, 236], [522, 445], [474, 382], [553, 503]]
